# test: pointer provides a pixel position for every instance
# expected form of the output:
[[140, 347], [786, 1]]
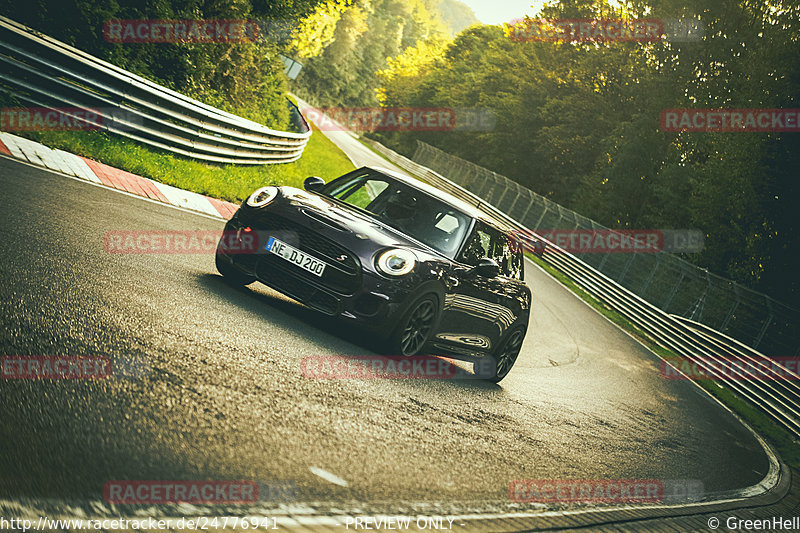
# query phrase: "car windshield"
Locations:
[[405, 208]]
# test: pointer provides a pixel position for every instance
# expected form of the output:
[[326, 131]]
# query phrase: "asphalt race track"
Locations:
[[209, 384]]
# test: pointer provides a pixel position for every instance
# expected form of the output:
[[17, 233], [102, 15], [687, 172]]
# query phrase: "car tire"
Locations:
[[232, 275], [503, 358], [415, 327]]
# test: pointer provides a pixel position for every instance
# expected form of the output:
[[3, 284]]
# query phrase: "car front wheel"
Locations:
[[415, 327]]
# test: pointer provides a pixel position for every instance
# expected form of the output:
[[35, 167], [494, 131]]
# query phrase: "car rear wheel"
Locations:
[[232, 275], [415, 327], [506, 354]]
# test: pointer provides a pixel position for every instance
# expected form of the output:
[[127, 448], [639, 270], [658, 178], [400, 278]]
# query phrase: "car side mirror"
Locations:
[[486, 267], [313, 183]]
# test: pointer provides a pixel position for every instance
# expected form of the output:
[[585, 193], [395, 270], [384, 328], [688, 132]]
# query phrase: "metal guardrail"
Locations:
[[774, 389], [664, 279], [45, 72]]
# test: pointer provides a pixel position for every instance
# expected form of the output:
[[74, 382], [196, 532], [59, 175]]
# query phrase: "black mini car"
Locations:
[[395, 255]]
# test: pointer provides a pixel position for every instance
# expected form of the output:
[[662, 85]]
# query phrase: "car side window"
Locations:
[[517, 261], [486, 241], [507, 255], [499, 252], [504, 251], [477, 247]]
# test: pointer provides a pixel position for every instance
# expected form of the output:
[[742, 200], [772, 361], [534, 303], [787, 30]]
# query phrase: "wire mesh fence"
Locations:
[[663, 279]]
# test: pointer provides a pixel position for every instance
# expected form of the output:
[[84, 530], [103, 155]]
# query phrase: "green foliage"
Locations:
[[245, 78], [401, 77], [368, 32], [316, 31], [579, 123]]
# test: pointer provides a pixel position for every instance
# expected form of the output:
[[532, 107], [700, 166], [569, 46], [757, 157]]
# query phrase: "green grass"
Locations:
[[782, 440], [231, 182]]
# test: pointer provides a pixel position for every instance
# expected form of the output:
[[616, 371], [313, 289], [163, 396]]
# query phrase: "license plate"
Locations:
[[295, 256]]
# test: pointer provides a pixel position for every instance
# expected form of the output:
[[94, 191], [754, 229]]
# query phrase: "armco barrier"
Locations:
[[666, 280], [44, 72], [774, 394]]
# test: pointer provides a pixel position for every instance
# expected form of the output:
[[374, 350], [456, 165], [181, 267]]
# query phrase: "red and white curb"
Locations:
[[89, 170]]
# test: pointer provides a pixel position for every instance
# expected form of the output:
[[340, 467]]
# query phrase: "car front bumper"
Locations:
[[375, 303]]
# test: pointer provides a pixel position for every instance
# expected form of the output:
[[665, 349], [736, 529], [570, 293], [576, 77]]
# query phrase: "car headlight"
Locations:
[[262, 196], [396, 262]]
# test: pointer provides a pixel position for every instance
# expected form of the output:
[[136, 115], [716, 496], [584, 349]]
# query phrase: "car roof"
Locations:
[[446, 197]]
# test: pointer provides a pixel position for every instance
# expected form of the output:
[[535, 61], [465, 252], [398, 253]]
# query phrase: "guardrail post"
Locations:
[[626, 268], [674, 290], [763, 331], [522, 193], [603, 261], [700, 304], [499, 202], [766, 325], [650, 276], [525, 214], [733, 307], [541, 217]]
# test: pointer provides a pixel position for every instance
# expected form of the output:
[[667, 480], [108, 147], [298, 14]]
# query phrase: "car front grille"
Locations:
[[343, 271]]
